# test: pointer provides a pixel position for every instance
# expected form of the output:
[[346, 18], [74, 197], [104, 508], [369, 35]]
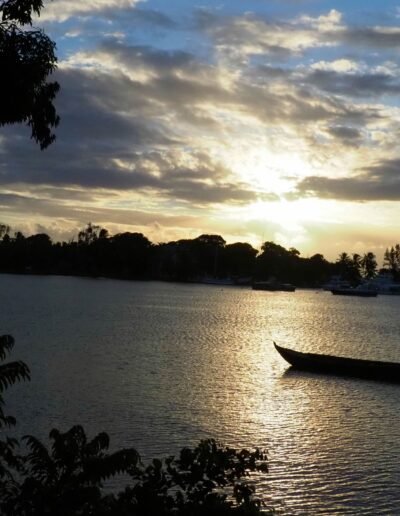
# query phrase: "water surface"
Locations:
[[159, 366]]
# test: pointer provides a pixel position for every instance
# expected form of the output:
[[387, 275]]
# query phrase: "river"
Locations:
[[159, 366]]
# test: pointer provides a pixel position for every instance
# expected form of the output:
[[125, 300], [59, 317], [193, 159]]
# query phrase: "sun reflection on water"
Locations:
[[170, 364]]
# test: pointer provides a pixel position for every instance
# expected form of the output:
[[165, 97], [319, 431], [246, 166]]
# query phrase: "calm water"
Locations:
[[159, 366]]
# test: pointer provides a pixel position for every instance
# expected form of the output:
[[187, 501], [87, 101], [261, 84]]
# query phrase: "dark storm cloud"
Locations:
[[183, 84], [372, 37], [100, 147], [116, 132], [380, 182], [348, 136], [122, 132], [311, 97], [178, 80], [94, 108], [185, 184], [354, 84], [160, 61], [29, 205]]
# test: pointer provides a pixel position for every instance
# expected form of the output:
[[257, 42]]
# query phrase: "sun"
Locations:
[[287, 214], [266, 170]]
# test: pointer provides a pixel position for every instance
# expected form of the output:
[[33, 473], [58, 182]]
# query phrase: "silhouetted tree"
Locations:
[[27, 58], [177, 261], [349, 267], [391, 260], [315, 271], [4, 230], [211, 240], [131, 254], [89, 234], [277, 262], [293, 251], [208, 251], [356, 265], [39, 252], [369, 265], [344, 265], [239, 259]]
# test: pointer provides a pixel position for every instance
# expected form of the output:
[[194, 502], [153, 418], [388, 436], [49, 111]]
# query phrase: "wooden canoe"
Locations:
[[369, 369]]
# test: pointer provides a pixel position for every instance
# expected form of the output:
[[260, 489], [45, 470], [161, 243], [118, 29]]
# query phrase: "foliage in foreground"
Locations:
[[27, 59], [67, 479], [10, 373]]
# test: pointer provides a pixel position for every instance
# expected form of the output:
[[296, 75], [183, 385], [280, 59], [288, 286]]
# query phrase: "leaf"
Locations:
[[6, 345], [41, 464], [99, 443], [13, 372]]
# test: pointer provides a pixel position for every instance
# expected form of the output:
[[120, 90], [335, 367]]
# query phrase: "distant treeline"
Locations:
[[95, 252]]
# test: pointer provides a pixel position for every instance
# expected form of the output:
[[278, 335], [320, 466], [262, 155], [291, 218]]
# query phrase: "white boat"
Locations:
[[384, 284]]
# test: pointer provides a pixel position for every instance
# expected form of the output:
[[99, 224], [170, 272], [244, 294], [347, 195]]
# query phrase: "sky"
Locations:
[[256, 120]]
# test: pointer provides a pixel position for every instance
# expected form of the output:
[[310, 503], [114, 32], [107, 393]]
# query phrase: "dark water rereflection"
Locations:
[[159, 366], [294, 372]]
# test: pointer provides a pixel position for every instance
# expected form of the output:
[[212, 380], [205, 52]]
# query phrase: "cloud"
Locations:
[[163, 115], [249, 34], [354, 84], [61, 10], [348, 136], [134, 119], [372, 37], [100, 147], [380, 182]]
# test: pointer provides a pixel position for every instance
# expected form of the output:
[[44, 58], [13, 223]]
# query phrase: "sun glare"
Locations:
[[268, 171], [290, 214]]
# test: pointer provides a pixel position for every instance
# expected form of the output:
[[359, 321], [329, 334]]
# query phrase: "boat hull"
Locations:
[[273, 287], [353, 292], [342, 366]]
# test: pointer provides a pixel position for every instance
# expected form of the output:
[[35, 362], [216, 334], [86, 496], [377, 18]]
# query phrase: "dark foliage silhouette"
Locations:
[[67, 479], [133, 256], [27, 58], [369, 265], [392, 260], [10, 373]]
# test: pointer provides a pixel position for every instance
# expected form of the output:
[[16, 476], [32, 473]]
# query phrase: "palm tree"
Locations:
[[392, 259], [344, 264], [355, 276], [349, 267], [369, 265]]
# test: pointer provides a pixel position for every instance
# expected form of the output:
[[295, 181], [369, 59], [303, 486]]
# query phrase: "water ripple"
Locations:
[[159, 366]]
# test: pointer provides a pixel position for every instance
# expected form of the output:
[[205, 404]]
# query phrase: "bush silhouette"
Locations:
[[67, 479]]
